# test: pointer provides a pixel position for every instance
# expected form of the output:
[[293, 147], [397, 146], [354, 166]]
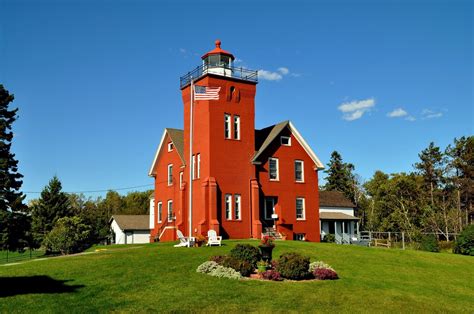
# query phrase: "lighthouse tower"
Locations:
[[223, 145]]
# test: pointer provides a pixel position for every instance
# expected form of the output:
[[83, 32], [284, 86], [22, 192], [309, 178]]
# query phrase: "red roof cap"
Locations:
[[218, 50]]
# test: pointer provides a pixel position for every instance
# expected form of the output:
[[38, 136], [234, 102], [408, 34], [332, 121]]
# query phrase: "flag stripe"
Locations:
[[206, 93]]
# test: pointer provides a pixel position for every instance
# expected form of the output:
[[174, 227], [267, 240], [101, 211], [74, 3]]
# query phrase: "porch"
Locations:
[[344, 227]]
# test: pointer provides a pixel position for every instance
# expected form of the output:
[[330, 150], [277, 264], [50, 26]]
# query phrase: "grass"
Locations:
[[159, 277], [13, 257]]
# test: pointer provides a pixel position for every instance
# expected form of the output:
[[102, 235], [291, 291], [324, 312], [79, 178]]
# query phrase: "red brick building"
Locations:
[[246, 181]]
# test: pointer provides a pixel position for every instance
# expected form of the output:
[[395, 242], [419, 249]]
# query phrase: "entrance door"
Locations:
[[269, 207]]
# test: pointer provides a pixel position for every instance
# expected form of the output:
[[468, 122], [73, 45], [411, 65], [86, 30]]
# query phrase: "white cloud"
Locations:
[[397, 113], [410, 118], [430, 114], [269, 76], [182, 50], [238, 60], [283, 70], [355, 109]]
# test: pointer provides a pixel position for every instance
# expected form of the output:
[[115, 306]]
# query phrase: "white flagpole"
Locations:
[[191, 170]]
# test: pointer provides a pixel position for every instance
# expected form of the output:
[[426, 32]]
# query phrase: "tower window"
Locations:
[[237, 207], [194, 167], [160, 209], [227, 125], [228, 206], [236, 127], [198, 169], [170, 211], [300, 209], [170, 146], [273, 169]]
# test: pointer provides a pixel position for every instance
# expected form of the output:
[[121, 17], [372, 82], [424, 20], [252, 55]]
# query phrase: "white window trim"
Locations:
[[170, 146], [160, 211], [238, 206], [289, 140], [236, 127], [265, 213], [277, 169], [302, 171], [304, 208], [198, 169], [228, 197], [170, 174], [227, 126], [194, 167], [170, 213], [181, 175]]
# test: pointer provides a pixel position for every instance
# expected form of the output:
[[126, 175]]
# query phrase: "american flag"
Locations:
[[206, 93]]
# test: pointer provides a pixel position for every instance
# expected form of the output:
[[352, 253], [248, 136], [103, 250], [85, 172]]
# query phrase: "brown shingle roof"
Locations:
[[177, 136], [334, 199], [336, 216], [132, 222], [264, 137]]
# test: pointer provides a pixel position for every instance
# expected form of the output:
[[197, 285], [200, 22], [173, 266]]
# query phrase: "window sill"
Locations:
[[274, 180], [299, 182], [301, 219]]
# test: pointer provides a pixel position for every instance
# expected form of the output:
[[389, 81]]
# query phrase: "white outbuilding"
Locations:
[[130, 229]]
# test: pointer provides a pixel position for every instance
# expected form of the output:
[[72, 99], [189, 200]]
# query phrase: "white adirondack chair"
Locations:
[[184, 241], [213, 238]]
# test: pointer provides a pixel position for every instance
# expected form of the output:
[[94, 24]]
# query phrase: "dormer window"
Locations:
[[170, 146], [285, 140]]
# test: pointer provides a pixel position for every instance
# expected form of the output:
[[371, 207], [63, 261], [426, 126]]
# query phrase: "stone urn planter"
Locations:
[[266, 251]]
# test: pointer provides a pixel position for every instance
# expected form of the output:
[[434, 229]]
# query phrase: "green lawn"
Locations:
[[159, 277]]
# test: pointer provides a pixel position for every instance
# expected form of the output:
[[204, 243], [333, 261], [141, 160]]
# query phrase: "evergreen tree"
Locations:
[[431, 168], [340, 177], [13, 221], [52, 205]]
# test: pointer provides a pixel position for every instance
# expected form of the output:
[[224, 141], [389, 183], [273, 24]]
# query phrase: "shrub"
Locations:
[[246, 252], [207, 267], [69, 235], [293, 266], [465, 242], [319, 264], [429, 243], [329, 238], [325, 274], [217, 258], [272, 275], [243, 267], [225, 272]]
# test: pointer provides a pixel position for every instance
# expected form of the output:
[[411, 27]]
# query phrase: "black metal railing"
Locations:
[[234, 72]]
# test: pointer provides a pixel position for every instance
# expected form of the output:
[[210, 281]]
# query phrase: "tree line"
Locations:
[[435, 197]]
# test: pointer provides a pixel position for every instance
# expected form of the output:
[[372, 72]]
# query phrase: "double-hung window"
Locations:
[[227, 126], [160, 210], [237, 207], [198, 169], [170, 174], [170, 211], [300, 209], [273, 169], [181, 174], [194, 167], [228, 206], [236, 128], [299, 171]]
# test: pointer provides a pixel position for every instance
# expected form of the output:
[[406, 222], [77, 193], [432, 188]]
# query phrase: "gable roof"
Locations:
[[264, 137], [132, 222], [336, 216], [177, 137], [334, 199]]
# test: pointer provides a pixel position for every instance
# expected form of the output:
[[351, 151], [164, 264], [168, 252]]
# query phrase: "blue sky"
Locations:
[[97, 81]]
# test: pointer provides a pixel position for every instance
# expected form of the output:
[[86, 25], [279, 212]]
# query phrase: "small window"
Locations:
[[160, 210], [194, 167], [198, 169], [299, 236], [269, 207], [300, 210], [236, 128], [285, 140], [181, 175], [273, 169], [228, 206], [170, 146], [170, 211], [299, 173], [237, 207], [227, 125], [170, 174]]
